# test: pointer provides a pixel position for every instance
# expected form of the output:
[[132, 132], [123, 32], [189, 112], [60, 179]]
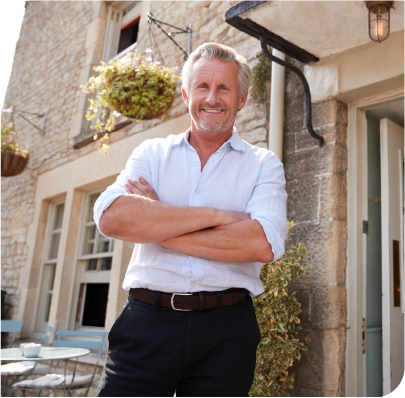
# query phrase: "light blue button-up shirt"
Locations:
[[238, 177]]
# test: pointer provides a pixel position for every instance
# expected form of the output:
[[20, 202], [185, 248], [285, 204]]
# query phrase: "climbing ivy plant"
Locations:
[[277, 314], [261, 76]]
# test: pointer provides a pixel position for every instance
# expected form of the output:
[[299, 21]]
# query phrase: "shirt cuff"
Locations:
[[102, 204], [273, 237]]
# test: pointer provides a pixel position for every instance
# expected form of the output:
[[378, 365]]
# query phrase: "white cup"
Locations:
[[32, 350], [22, 345]]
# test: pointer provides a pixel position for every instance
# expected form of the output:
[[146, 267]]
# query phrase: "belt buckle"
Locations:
[[179, 294]]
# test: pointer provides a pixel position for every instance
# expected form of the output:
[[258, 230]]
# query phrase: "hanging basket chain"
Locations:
[[169, 35], [154, 38]]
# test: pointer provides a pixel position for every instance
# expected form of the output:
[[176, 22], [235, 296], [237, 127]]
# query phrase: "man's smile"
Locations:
[[213, 110]]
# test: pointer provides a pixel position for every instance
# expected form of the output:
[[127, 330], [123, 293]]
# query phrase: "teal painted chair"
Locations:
[[11, 327], [69, 383]]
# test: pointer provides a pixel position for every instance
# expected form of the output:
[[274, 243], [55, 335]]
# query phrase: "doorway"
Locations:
[[383, 325]]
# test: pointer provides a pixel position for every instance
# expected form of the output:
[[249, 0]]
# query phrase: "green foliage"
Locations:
[[261, 75], [277, 314], [9, 140], [132, 87]]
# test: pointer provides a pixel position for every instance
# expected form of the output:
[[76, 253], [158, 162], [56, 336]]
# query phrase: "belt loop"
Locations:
[[201, 301], [157, 301], [219, 299]]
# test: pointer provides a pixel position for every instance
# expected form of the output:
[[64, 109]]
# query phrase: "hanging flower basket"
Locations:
[[13, 164], [13, 159], [134, 87]]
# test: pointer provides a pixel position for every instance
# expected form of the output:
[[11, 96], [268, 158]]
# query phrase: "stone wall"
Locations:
[[317, 196]]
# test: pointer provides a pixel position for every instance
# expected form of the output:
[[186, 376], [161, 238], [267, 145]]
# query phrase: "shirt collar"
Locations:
[[234, 141]]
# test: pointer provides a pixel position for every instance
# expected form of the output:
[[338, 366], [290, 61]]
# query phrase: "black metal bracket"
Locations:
[[304, 82], [170, 34], [34, 115]]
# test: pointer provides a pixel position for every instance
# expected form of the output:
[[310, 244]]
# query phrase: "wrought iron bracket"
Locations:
[[279, 61], [171, 34], [20, 112]]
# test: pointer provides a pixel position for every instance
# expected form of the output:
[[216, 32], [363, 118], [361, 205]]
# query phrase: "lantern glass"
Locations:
[[379, 22]]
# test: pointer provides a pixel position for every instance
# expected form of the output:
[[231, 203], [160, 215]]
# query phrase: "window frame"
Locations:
[[113, 33], [82, 274], [42, 296]]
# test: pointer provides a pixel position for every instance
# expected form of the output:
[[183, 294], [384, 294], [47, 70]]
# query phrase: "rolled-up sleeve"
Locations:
[[268, 204], [138, 165]]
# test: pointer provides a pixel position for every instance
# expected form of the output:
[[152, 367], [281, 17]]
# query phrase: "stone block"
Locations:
[[294, 117], [324, 113], [303, 199], [327, 307], [322, 366], [326, 244], [255, 124], [288, 144], [256, 135], [315, 161], [333, 197]]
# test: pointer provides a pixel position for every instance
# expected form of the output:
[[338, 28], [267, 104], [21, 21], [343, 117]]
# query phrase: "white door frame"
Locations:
[[357, 206]]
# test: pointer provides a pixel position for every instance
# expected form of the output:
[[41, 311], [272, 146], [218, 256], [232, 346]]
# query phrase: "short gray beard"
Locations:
[[216, 130]]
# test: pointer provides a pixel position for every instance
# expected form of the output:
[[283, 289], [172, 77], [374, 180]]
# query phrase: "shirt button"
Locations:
[[194, 258], [193, 284], [197, 190], [228, 149], [195, 161]]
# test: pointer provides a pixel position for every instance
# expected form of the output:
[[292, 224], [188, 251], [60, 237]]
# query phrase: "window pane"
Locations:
[[92, 265], [103, 246], [106, 264], [90, 235], [93, 199], [58, 216], [51, 281], [53, 249], [47, 307], [95, 304]]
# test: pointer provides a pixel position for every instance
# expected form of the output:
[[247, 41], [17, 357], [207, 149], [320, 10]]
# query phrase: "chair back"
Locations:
[[13, 327], [47, 334], [81, 343]]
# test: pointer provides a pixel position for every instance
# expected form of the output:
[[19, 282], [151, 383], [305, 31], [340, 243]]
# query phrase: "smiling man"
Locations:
[[204, 208]]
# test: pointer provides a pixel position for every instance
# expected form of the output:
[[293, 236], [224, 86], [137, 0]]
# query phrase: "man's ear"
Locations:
[[242, 100], [185, 98]]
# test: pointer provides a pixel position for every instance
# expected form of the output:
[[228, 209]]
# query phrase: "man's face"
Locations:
[[213, 98]]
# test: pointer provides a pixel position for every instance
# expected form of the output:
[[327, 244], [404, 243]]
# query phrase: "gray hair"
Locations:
[[222, 53]]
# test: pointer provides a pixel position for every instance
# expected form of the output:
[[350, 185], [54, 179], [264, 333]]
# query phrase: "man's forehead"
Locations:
[[214, 68]]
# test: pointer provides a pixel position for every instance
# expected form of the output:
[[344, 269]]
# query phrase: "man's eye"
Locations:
[[224, 88]]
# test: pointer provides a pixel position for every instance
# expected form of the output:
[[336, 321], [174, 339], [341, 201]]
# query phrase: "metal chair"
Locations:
[[12, 327], [67, 383], [26, 368]]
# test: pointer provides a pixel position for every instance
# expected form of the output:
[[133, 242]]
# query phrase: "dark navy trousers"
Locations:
[[158, 352]]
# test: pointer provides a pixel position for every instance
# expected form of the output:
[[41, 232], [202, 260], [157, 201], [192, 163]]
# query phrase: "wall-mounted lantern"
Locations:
[[379, 20]]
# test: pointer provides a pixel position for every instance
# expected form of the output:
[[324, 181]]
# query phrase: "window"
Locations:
[[94, 269], [52, 240], [122, 29]]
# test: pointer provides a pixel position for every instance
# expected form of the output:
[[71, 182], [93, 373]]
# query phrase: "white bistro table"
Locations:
[[46, 354]]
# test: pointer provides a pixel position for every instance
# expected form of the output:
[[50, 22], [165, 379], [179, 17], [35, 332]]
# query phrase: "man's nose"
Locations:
[[212, 96]]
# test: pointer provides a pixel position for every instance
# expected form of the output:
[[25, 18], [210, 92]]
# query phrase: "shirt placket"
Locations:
[[195, 200]]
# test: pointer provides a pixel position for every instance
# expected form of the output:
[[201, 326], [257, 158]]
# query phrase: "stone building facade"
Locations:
[[47, 207]]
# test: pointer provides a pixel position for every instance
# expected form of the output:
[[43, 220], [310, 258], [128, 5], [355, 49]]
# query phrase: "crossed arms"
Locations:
[[199, 231]]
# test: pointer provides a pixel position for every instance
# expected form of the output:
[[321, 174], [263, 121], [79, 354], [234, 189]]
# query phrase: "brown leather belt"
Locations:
[[190, 301]]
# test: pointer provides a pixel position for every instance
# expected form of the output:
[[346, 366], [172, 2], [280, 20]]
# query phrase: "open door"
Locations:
[[392, 247]]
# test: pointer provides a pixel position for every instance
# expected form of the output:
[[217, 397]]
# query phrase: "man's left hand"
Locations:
[[141, 188]]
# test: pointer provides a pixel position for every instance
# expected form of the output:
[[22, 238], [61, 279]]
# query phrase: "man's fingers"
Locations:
[[133, 189], [143, 186]]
